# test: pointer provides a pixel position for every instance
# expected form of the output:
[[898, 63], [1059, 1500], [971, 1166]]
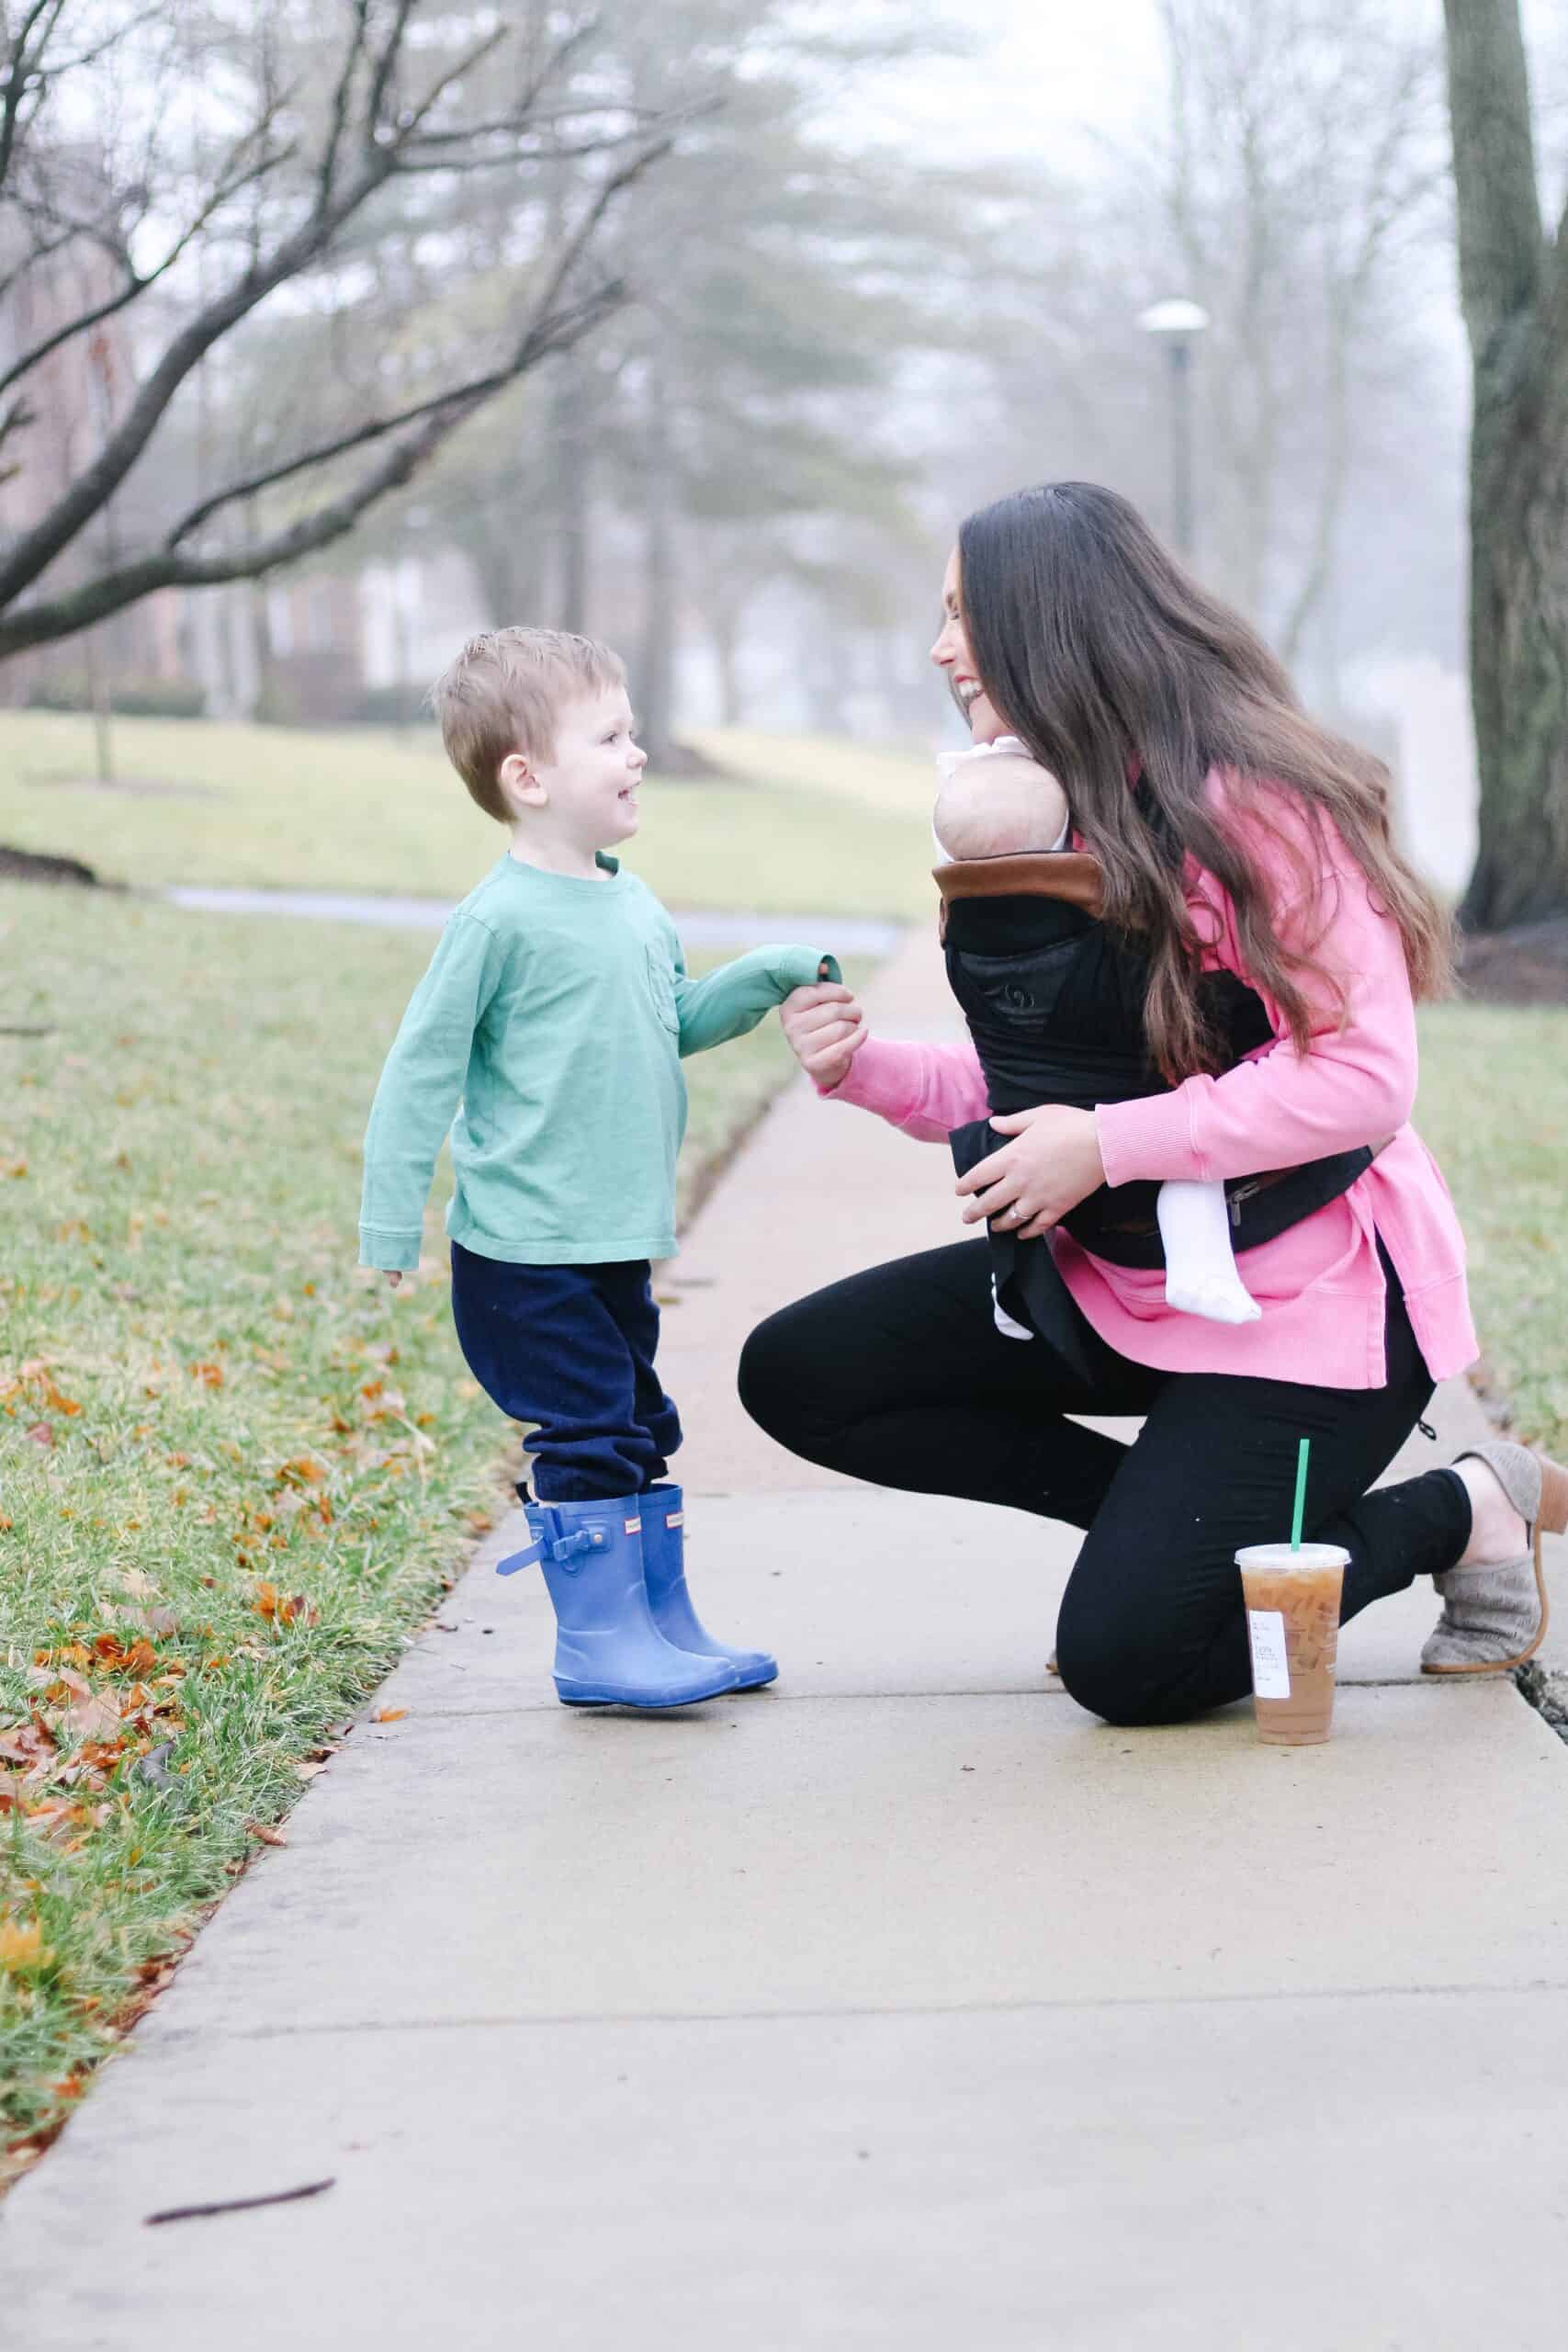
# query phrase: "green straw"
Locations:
[[1301, 1452]]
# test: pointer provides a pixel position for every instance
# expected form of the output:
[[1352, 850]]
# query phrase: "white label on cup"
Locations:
[[1270, 1666]]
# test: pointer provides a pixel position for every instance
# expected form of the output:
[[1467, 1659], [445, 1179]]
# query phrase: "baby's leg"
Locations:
[[1200, 1264]]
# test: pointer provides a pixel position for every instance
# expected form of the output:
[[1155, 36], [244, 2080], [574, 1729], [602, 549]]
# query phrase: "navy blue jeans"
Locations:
[[571, 1349]]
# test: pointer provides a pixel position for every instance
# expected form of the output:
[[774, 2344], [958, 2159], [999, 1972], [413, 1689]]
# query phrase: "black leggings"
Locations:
[[900, 1377]]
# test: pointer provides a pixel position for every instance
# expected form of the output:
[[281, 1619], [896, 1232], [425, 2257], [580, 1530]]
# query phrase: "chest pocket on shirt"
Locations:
[[662, 986]]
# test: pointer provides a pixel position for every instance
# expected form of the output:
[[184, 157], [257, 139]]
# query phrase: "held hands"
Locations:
[[826, 1029], [1029, 1185]]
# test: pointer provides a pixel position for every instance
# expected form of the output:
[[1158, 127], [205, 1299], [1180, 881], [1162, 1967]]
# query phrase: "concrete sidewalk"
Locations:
[[901, 2004]]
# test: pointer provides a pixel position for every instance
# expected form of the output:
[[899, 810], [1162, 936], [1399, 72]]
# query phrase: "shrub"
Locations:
[[129, 697]]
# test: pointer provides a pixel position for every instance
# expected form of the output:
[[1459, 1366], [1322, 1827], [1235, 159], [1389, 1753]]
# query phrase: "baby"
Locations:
[[996, 802]]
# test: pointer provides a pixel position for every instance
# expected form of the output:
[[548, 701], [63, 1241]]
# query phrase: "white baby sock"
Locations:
[[1008, 1325], [1200, 1264]]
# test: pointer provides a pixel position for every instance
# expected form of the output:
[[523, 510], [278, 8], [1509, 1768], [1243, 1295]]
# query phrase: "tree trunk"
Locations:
[[1518, 656], [1513, 286], [726, 635], [571, 443], [493, 554], [655, 692]]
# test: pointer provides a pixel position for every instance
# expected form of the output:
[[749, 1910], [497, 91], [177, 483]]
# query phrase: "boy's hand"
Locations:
[[826, 1029]]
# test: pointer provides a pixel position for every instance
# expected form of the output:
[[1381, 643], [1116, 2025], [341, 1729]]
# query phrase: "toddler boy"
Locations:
[[547, 1036]]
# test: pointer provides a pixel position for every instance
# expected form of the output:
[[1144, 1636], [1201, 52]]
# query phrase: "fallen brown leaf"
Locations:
[[264, 1831], [304, 1468], [390, 1716], [22, 1946], [92, 1718]]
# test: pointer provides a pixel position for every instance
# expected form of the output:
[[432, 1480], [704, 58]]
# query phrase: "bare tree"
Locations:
[[1303, 147], [1514, 289], [239, 153]]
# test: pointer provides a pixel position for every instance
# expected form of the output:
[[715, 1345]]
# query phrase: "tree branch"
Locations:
[[384, 67], [20, 66], [376, 428], [96, 600], [443, 82], [37, 548], [338, 121], [1501, 237], [138, 281]]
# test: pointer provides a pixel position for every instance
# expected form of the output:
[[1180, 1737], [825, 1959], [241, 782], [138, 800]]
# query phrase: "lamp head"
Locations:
[[1174, 318]]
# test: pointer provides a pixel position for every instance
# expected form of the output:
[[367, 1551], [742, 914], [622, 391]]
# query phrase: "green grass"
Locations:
[[894, 781], [271, 807], [234, 1470], [1494, 1107]]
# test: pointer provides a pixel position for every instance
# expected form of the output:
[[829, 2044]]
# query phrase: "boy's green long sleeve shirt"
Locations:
[[551, 1023]]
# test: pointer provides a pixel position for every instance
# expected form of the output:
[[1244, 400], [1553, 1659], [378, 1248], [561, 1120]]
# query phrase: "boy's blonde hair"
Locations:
[[504, 693]]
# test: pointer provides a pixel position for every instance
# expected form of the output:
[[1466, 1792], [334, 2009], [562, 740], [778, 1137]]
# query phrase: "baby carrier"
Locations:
[[1055, 1003]]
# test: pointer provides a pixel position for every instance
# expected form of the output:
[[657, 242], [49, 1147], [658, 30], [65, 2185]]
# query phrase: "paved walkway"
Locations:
[[901, 2006], [704, 927]]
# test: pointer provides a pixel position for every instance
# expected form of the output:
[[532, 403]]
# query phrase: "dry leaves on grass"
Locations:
[[305, 1470], [22, 1949], [95, 1717], [78, 1735], [37, 1374], [285, 1608]]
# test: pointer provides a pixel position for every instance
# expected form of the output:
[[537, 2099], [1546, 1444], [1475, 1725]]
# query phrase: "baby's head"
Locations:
[[537, 724], [1003, 805]]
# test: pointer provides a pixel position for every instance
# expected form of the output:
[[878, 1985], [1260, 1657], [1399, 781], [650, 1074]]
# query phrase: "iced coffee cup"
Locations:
[[1292, 1628]]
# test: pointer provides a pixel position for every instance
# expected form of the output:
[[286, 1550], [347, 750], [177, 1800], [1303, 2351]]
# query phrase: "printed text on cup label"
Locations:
[[1270, 1666]]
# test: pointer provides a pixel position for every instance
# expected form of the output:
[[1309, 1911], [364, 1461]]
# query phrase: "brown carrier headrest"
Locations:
[[1069, 874]]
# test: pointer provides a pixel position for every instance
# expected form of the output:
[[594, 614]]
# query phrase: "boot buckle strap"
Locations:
[[566, 1548], [524, 1559], [562, 1550]]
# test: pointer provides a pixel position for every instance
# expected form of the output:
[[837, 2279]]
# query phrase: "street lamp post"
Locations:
[[1178, 325]]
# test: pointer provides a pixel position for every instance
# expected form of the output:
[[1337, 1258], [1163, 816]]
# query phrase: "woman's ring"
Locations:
[[1016, 1210]]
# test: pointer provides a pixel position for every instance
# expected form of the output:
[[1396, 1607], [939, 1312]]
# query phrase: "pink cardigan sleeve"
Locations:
[[1355, 1084], [925, 1090]]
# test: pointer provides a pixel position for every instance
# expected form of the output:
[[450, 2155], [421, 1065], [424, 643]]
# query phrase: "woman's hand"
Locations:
[[826, 1029], [1029, 1185]]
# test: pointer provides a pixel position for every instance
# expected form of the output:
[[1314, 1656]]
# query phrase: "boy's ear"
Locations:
[[520, 787]]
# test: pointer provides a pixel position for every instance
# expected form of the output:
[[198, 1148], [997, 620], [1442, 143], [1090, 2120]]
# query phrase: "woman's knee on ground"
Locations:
[[1126, 1669], [1114, 1678], [780, 1379]]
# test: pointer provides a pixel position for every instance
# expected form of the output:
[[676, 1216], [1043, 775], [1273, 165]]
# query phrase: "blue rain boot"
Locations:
[[609, 1652], [665, 1571]]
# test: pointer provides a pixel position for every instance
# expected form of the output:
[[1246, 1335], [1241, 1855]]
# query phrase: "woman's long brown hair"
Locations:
[[1111, 664]]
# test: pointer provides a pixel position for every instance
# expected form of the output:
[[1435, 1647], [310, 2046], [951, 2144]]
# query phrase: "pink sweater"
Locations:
[[1320, 1284]]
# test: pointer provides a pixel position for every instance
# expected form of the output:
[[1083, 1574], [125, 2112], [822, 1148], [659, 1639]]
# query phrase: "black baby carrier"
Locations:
[[1055, 1003]]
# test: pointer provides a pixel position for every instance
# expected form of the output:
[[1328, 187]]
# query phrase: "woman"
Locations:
[[1234, 835]]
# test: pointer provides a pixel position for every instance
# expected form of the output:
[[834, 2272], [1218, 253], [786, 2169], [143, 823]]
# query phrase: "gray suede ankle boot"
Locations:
[[1494, 1613]]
